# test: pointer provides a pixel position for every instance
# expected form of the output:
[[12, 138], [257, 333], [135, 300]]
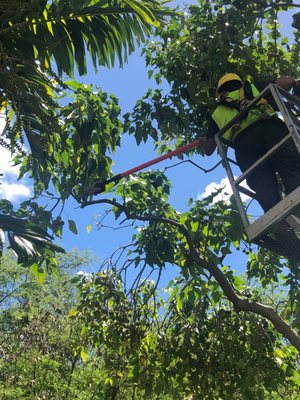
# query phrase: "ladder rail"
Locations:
[[286, 105]]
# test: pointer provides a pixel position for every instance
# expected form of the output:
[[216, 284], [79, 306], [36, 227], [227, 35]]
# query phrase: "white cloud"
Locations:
[[6, 164], [10, 188], [13, 191], [224, 194]]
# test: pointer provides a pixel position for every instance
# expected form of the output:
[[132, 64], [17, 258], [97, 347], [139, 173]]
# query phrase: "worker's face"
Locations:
[[230, 86]]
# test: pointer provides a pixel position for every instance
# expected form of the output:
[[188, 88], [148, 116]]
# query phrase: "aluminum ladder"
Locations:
[[277, 230]]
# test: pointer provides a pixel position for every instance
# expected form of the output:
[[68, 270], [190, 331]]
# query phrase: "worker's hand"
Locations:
[[285, 82], [209, 146], [201, 141], [296, 21]]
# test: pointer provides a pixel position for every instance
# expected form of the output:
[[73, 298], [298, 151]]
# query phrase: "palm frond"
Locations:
[[30, 242]]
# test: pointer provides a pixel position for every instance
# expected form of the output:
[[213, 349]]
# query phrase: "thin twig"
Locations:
[[195, 165]]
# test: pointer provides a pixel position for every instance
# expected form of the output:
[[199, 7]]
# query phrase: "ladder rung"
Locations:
[[267, 155]]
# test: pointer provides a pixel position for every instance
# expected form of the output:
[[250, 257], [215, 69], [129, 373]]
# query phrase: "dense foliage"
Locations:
[[84, 336], [41, 42], [196, 49], [211, 334]]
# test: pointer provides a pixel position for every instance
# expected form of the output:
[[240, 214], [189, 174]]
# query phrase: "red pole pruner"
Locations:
[[100, 186]]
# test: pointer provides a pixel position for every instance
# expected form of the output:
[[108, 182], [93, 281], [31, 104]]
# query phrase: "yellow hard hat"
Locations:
[[228, 78]]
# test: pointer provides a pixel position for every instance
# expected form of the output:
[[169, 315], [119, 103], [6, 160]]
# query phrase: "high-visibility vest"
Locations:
[[225, 113]]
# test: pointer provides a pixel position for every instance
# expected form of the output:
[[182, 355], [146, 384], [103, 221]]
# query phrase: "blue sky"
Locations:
[[129, 84]]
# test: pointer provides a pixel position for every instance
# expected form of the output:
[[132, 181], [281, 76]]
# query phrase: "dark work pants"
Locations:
[[253, 144]]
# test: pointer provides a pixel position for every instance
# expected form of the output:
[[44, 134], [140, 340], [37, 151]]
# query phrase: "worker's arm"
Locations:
[[209, 144], [285, 82]]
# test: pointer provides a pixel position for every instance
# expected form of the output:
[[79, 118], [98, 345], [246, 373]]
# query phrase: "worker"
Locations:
[[258, 131]]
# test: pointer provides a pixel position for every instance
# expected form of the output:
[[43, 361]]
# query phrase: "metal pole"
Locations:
[[163, 157], [100, 186], [278, 94]]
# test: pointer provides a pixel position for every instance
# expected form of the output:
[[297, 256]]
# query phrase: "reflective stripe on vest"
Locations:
[[224, 114]]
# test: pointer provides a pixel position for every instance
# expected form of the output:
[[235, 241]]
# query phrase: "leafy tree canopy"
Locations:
[[196, 49], [86, 335], [40, 42], [192, 52], [146, 341]]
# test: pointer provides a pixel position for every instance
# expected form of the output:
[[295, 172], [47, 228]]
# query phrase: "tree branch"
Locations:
[[195, 165], [239, 302]]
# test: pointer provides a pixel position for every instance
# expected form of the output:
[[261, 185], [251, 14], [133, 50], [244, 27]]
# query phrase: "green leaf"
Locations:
[[150, 73], [83, 355], [39, 273], [72, 226], [88, 228]]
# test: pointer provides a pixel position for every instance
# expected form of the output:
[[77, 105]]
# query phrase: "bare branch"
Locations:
[[195, 165]]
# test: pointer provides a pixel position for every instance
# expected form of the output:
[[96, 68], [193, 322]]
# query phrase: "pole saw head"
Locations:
[[100, 187]]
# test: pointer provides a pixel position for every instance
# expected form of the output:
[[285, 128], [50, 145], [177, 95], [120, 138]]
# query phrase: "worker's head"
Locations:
[[228, 83]]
